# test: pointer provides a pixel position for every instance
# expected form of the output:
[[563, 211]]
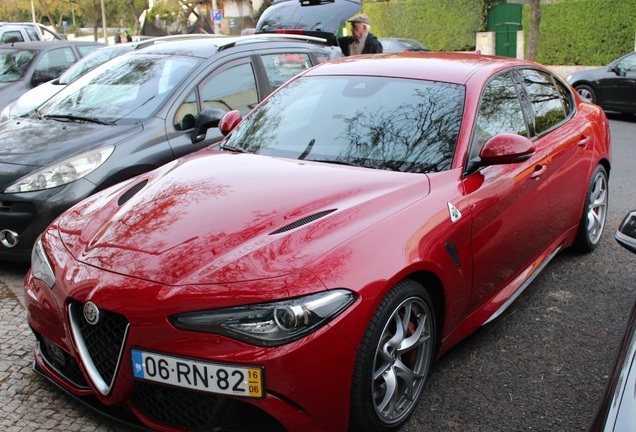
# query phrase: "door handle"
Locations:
[[538, 171], [584, 141]]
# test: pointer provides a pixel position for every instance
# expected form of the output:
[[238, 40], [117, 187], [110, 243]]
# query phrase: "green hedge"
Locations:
[[584, 32], [574, 32], [441, 25]]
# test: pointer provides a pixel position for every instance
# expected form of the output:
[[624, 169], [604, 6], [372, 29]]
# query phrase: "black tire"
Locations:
[[402, 351], [586, 92], [594, 214]]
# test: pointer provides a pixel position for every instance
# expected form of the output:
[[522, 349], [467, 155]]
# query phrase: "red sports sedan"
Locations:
[[305, 273]]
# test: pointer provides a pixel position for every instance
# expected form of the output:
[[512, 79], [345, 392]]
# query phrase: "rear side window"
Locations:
[[280, 68], [546, 101], [53, 63]]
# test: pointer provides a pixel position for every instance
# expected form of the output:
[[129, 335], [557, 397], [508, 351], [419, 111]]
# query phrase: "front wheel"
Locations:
[[394, 360], [594, 213]]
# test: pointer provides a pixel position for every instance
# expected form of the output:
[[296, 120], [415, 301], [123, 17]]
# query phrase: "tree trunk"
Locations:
[[533, 35]]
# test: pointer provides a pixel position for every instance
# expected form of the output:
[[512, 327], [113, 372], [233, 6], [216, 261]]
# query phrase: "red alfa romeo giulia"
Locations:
[[305, 273]]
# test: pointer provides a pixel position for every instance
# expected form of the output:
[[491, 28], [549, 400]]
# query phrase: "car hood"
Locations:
[[27, 144], [218, 217], [34, 98], [313, 18], [11, 91]]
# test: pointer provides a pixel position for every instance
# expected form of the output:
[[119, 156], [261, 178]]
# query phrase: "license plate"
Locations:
[[198, 375]]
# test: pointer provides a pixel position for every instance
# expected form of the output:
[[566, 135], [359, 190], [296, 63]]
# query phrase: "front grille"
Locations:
[[101, 345], [66, 366], [200, 411]]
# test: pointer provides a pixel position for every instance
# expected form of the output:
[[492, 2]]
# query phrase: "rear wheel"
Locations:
[[394, 360], [594, 213], [586, 91]]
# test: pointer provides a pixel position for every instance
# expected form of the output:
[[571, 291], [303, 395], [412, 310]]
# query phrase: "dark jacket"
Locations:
[[371, 44]]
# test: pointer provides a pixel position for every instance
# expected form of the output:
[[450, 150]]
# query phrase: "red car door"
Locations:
[[508, 202]]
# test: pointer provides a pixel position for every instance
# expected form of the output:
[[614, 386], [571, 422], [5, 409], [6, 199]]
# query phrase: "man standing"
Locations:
[[362, 41]]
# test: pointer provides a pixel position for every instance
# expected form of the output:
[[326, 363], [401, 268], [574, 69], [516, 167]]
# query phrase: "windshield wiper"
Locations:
[[332, 161], [74, 118], [232, 148]]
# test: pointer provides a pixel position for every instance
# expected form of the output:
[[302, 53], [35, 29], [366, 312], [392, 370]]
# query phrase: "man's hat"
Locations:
[[362, 18]]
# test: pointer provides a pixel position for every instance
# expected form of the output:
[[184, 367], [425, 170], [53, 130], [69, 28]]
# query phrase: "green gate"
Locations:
[[505, 21]]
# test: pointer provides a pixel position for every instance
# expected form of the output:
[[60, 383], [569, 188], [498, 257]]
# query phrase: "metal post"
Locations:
[[104, 22]]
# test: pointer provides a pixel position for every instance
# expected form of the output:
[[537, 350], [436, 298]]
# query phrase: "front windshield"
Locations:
[[14, 63], [88, 63], [384, 123], [131, 87]]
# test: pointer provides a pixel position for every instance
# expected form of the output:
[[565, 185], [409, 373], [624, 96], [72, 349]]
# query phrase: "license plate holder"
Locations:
[[211, 377]]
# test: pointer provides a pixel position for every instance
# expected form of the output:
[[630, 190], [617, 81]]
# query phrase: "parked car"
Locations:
[[304, 273], [10, 34], [617, 411], [612, 87], [133, 114], [401, 45], [26, 65], [35, 97], [27, 31]]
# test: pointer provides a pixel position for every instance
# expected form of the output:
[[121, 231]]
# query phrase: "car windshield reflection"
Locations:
[[382, 123], [131, 87], [14, 63]]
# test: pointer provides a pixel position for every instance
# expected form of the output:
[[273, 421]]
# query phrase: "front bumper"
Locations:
[[307, 382], [28, 215]]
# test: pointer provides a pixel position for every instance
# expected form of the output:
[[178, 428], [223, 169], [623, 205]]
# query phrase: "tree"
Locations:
[[533, 34]]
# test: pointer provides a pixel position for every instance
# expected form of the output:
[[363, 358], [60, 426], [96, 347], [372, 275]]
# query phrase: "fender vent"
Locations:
[[131, 192], [303, 221], [452, 253]]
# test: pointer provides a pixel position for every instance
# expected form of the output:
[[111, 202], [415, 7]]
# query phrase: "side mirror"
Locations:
[[207, 118], [506, 148], [42, 77], [229, 122], [626, 233]]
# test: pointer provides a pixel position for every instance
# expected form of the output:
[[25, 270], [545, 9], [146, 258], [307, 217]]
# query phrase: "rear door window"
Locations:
[[53, 63], [280, 68], [545, 100]]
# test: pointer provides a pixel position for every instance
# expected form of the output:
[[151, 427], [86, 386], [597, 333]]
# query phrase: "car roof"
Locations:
[[206, 45], [42, 45], [455, 68]]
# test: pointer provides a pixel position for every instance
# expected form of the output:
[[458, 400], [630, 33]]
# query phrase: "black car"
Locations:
[[612, 87], [401, 45], [25, 65], [133, 114], [617, 411]]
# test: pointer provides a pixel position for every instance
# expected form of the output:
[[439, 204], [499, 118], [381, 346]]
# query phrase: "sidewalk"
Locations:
[[27, 401]]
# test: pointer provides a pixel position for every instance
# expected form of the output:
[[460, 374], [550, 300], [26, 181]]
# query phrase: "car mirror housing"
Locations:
[[506, 148], [229, 122], [207, 118], [626, 233]]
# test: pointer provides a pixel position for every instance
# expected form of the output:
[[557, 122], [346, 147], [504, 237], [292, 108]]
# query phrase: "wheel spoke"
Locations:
[[401, 360]]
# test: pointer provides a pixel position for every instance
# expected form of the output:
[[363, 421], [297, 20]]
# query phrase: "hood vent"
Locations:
[[131, 192], [303, 221]]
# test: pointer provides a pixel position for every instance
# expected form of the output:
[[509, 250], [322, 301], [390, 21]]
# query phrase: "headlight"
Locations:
[[63, 172], [40, 266], [269, 324]]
